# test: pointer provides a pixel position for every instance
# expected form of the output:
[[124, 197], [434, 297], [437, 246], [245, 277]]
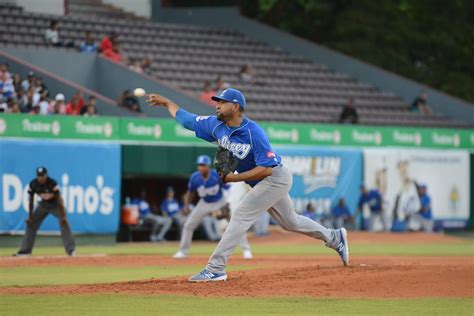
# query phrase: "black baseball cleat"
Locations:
[[22, 254], [72, 253]]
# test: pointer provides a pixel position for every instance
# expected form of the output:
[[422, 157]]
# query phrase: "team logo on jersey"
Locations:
[[270, 154], [239, 150], [202, 118]]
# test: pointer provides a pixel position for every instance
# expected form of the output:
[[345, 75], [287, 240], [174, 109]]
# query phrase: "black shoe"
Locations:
[[72, 253], [22, 254]]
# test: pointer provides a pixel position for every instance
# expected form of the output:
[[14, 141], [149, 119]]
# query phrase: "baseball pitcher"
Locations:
[[251, 155]]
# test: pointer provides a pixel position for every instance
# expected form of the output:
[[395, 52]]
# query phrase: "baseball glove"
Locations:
[[224, 162]]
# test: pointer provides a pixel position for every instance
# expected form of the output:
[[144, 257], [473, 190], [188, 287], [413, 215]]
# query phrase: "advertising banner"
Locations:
[[322, 176], [88, 177], [60, 127], [126, 129], [398, 173]]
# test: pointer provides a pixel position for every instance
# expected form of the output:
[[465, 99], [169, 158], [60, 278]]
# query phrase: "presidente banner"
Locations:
[[88, 176], [397, 173], [322, 176], [128, 129]]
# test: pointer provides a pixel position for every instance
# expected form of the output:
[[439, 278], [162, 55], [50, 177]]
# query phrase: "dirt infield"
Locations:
[[273, 276]]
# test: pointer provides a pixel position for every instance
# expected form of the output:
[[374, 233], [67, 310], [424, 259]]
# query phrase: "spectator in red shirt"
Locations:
[[72, 108], [80, 98], [108, 42], [207, 93], [113, 54]]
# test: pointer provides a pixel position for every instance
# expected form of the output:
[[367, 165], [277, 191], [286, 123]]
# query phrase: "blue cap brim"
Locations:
[[217, 99]]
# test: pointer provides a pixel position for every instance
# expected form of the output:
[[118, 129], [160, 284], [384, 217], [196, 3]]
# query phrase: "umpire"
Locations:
[[51, 202]]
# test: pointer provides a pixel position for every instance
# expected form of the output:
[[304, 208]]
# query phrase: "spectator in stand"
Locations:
[[15, 108], [89, 46], [221, 85], [108, 42], [39, 86], [6, 82], [349, 113], [340, 215], [136, 66], [51, 35], [207, 93], [43, 104], [20, 95], [17, 82], [90, 111], [113, 54], [310, 212], [127, 100], [73, 108], [247, 73], [58, 106], [4, 73], [7, 88], [146, 66], [419, 104], [160, 224], [90, 108], [28, 82], [4, 104], [80, 97], [35, 110], [29, 101]]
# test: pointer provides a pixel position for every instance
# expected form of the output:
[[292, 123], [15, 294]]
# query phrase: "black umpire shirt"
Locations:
[[46, 191]]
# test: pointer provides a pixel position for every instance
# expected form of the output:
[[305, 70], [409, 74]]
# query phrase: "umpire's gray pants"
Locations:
[[201, 210], [38, 216], [269, 194]]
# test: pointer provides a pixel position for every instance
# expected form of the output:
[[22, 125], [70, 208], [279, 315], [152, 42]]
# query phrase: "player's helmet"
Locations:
[[203, 160]]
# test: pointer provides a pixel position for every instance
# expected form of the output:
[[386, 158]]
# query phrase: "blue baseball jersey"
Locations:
[[210, 189], [373, 199], [248, 142], [338, 211], [425, 201], [170, 207], [143, 206]]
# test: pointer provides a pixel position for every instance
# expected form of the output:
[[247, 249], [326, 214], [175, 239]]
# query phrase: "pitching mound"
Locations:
[[388, 277]]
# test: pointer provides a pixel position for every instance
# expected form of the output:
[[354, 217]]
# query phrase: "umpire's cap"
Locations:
[[203, 160], [41, 171], [231, 95]]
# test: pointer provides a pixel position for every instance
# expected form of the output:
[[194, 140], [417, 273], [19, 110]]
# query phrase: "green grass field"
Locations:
[[119, 304], [464, 248], [178, 305]]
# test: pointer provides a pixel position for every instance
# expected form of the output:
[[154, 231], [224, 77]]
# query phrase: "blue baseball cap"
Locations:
[[231, 95], [203, 160]]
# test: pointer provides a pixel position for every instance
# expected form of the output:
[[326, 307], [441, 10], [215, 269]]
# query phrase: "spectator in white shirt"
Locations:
[[28, 82], [57, 106], [51, 35], [43, 104]]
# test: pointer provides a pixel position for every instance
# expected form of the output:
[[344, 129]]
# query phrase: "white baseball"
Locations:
[[139, 92]]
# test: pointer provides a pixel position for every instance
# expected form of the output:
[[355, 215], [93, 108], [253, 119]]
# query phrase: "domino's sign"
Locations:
[[88, 177]]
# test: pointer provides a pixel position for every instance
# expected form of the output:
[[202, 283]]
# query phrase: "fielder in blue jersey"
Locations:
[[209, 187], [259, 166]]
